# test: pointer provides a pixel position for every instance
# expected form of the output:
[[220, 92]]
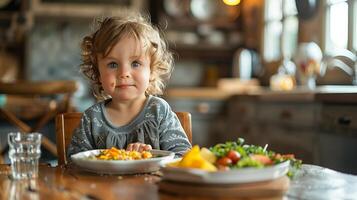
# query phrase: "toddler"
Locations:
[[128, 64]]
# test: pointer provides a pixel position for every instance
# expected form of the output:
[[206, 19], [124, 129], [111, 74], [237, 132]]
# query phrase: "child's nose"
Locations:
[[123, 72]]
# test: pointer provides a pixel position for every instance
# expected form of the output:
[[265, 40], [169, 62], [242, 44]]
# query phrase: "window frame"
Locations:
[[352, 36], [267, 22]]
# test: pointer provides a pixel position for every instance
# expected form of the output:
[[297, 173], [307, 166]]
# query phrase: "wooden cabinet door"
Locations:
[[338, 137], [287, 127], [208, 119]]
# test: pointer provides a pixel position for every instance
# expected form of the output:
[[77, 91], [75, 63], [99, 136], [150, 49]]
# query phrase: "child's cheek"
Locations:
[[112, 85]]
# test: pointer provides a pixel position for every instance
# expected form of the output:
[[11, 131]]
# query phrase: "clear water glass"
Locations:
[[24, 154]]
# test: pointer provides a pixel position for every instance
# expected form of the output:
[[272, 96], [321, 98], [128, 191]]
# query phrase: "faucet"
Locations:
[[343, 59]]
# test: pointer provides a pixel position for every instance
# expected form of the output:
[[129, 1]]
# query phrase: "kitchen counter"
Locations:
[[201, 93], [322, 94]]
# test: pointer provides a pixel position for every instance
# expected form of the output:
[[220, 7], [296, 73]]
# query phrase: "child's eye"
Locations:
[[112, 65], [135, 64]]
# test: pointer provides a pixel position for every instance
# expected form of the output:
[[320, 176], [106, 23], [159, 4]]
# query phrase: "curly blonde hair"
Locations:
[[108, 31]]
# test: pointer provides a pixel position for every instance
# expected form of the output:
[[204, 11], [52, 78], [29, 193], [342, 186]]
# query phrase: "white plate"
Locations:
[[203, 9], [244, 175], [121, 166]]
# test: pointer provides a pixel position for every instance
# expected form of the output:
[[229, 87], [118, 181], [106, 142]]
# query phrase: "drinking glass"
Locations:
[[24, 154]]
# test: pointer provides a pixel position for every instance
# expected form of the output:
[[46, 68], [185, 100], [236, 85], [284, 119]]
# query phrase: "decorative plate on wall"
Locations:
[[213, 9], [176, 8]]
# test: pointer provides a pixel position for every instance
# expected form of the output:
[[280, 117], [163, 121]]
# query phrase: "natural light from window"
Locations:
[[280, 29], [341, 25], [338, 26]]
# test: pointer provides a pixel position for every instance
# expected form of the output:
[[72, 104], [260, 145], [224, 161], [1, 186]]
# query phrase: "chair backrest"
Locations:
[[26, 94], [67, 122], [42, 88]]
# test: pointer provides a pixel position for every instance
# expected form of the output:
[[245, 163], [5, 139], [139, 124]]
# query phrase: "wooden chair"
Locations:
[[30, 89], [67, 122]]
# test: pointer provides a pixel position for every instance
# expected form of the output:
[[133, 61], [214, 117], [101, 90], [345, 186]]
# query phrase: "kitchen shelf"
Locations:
[[208, 41], [204, 52], [80, 10], [189, 23]]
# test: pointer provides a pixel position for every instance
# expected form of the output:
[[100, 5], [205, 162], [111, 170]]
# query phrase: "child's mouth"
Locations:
[[124, 86]]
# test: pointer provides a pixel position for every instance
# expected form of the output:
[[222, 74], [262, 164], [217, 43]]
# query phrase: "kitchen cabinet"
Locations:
[[287, 127], [289, 139], [241, 119], [319, 127], [339, 118], [208, 118], [338, 136]]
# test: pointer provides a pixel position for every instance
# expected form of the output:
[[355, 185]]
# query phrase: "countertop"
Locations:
[[338, 94]]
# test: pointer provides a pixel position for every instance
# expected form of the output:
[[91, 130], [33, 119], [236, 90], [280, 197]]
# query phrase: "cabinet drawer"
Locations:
[[297, 114], [339, 118], [298, 142], [242, 111], [197, 106]]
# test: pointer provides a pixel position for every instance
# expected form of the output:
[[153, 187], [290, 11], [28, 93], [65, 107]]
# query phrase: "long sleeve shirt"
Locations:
[[156, 125]]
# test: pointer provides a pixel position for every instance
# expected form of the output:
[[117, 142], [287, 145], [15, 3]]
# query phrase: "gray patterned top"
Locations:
[[156, 125]]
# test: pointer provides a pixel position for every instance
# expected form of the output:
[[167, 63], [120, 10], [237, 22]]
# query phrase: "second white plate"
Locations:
[[244, 175]]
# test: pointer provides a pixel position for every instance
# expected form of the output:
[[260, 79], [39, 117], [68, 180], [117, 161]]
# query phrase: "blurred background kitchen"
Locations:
[[277, 72]]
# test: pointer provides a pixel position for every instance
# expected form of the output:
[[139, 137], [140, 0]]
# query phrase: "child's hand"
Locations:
[[138, 147]]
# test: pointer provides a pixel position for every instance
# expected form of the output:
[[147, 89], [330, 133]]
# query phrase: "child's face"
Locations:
[[125, 72]]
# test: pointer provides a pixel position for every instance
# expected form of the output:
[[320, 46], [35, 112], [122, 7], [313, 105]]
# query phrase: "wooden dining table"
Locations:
[[70, 182]]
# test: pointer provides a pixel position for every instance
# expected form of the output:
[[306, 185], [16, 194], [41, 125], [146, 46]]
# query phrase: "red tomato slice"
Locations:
[[224, 161], [265, 160]]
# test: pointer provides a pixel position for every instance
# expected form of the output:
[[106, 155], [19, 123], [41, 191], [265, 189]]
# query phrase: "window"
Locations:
[[280, 29], [341, 28]]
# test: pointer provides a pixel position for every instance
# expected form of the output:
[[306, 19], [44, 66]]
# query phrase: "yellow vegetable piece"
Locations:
[[208, 167], [190, 156], [208, 155], [194, 159]]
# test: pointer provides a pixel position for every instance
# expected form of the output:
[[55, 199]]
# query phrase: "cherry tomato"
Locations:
[[224, 161], [234, 156]]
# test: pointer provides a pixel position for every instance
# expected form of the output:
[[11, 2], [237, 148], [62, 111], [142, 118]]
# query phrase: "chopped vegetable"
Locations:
[[194, 159], [121, 154], [234, 156], [264, 159]]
